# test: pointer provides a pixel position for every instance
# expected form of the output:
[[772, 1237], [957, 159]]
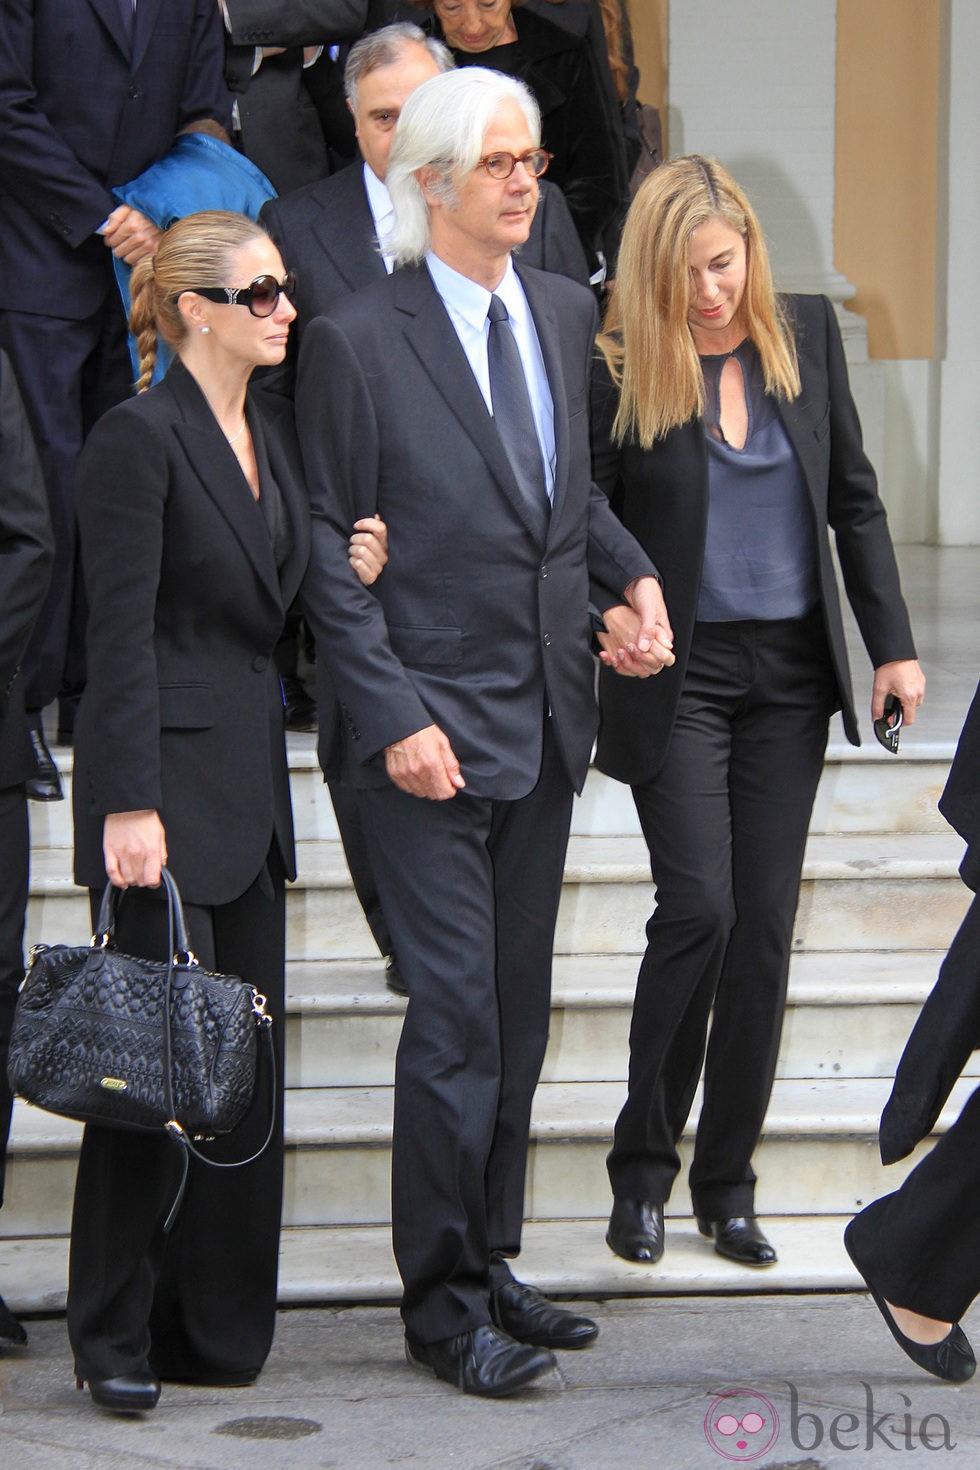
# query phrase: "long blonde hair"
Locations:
[[195, 251], [646, 340]]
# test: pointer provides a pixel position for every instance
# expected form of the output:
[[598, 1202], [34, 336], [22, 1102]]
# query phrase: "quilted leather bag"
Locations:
[[110, 1038]]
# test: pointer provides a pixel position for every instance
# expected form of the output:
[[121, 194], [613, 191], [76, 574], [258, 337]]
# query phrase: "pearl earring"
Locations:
[[205, 331]]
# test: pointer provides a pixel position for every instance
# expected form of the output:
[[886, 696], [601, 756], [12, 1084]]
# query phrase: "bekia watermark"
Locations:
[[742, 1424]]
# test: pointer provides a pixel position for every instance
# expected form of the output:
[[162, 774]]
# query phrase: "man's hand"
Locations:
[[906, 681], [640, 641], [130, 235], [423, 764]]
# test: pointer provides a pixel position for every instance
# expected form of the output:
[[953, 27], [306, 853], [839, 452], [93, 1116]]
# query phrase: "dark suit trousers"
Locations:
[[350, 825], [725, 821], [470, 888], [919, 1244], [70, 373], [14, 864], [198, 1304]]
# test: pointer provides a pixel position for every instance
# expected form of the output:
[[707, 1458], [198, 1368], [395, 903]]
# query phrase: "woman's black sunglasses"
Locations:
[[261, 297]]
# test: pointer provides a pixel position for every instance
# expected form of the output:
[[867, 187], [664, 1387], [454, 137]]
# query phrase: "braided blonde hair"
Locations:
[[194, 251]]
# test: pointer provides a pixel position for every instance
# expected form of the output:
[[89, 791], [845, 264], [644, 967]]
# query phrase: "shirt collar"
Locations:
[[470, 300], [379, 200]]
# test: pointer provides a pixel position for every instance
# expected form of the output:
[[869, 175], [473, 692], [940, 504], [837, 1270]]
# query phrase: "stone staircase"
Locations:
[[880, 902]]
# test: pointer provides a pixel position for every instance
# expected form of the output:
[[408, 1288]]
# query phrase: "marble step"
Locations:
[[862, 790], [334, 1264], [860, 891], [818, 1154], [848, 1015]]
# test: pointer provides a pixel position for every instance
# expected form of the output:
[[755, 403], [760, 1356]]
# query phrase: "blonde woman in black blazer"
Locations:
[[727, 439], [195, 535]]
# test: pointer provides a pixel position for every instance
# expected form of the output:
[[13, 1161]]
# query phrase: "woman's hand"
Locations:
[[906, 681], [135, 848], [622, 645], [367, 551]]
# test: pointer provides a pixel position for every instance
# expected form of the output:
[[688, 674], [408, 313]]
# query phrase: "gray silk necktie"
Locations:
[[513, 416]]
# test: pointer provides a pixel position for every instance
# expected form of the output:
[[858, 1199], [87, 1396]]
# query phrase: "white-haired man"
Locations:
[[452, 399]]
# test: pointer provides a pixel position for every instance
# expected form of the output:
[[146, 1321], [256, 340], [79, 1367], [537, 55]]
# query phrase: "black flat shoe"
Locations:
[[44, 784], [393, 976], [636, 1230], [525, 1315], [952, 1359], [739, 1239], [11, 1330], [484, 1361], [130, 1393]]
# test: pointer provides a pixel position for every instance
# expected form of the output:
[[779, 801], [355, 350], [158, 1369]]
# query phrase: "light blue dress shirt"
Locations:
[[467, 304]]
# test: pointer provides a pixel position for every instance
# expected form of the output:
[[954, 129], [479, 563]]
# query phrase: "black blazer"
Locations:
[[82, 111], [25, 568], [474, 625], [281, 130], [662, 496], [182, 712], [325, 233]]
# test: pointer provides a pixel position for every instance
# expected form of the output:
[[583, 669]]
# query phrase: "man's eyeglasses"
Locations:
[[261, 297], [502, 165]]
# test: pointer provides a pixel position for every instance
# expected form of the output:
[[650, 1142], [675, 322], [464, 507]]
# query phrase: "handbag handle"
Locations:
[[106, 922]]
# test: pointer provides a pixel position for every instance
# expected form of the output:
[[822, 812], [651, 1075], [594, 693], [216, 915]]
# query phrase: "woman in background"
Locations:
[[727, 439]]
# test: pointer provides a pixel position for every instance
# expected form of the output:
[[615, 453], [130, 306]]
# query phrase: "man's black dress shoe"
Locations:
[[298, 708], [10, 1329], [636, 1230], [952, 1359], [393, 976], [130, 1393], [45, 783], [524, 1314], [740, 1239], [484, 1361]]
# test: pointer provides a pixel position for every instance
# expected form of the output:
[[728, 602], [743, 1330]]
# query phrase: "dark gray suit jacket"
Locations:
[[474, 625]]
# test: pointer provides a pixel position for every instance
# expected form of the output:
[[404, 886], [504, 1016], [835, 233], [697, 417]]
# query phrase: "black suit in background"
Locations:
[[480, 628], [83, 107], [25, 565], [183, 714], [281, 129], [723, 753], [326, 234], [918, 1245]]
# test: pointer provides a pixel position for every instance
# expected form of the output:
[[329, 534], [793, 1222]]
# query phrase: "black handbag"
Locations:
[[106, 1037]]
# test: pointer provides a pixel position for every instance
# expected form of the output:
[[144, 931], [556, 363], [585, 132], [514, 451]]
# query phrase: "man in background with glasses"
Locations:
[[452, 400]]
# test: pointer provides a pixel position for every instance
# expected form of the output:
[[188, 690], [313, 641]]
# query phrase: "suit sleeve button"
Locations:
[[260, 663]]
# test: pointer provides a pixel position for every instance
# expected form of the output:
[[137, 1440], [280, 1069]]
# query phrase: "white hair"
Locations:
[[442, 127], [387, 47]]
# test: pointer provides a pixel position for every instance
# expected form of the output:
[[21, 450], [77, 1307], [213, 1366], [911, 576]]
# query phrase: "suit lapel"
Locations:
[[799, 432], [214, 463], [546, 326], [345, 228], [147, 12], [280, 447], [432, 337], [111, 17]]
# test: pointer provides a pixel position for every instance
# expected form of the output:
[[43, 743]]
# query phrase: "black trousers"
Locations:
[[70, 373], [919, 1245], [470, 889], [14, 866], [198, 1304], [725, 821], [350, 825]]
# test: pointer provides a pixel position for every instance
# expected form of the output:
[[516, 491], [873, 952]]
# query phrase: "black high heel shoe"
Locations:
[[951, 1359], [129, 1393], [11, 1330]]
